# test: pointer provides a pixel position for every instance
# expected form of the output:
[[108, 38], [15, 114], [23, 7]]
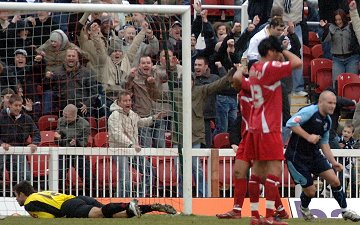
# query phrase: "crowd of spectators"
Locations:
[[74, 65]]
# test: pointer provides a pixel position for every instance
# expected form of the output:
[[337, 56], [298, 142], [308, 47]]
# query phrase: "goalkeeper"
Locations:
[[47, 204]]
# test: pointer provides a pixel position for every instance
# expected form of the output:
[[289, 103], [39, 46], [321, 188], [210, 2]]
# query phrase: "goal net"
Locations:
[[101, 92]]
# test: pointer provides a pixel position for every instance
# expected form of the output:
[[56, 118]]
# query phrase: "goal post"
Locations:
[[185, 12]]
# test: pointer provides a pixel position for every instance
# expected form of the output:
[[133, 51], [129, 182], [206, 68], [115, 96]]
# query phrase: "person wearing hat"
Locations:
[[174, 42], [28, 77], [53, 51], [107, 59]]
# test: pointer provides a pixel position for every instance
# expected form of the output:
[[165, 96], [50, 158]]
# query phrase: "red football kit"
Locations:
[[264, 140]]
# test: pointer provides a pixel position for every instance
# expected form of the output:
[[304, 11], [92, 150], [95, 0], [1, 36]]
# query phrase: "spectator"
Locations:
[[42, 26], [262, 9], [151, 47], [347, 141], [15, 130], [199, 95], [5, 96], [354, 15], [293, 16], [174, 42], [7, 36], [29, 77], [203, 76], [110, 64], [53, 51], [7, 78], [344, 45], [167, 79], [73, 131], [144, 106], [73, 84], [123, 133]]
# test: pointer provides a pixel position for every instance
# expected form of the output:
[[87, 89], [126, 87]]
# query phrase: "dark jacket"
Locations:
[[17, 131], [73, 87], [209, 107], [235, 131], [79, 130]]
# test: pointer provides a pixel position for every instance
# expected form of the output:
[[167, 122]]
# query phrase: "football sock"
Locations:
[[110, 209], [305, 200], [254, 194], [271, 192], [240, 191], [339, 195]]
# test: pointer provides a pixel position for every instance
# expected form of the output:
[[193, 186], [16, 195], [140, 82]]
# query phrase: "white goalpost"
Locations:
[[185, 12]]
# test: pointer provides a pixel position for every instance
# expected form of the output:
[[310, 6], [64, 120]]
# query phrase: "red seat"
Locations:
[[102, 124], [321, 74], [349, 86], [40, 164], [226, 167], [313, 39], [101, 139], [165, 172], [317, 51], [104, 169], [71, 177], [47, 122], [221, 140], [90, 141], [307, 57], [47, 136], [93, 125], [218, 12]]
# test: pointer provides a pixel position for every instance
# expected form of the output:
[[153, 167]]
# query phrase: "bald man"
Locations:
[[310, 132], [73, 131]]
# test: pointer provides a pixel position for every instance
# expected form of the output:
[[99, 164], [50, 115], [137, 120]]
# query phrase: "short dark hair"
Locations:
[[24, 187], [15, 98], [206, 61], [268, 44], [123, 93]]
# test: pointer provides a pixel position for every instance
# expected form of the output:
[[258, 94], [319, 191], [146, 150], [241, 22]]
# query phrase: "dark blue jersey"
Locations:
[[310, 119]]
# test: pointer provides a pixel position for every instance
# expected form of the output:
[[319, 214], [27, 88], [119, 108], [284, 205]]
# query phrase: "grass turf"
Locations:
[[156, 220]]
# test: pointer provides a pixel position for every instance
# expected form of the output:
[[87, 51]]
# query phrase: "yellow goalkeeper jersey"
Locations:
[[46, 204]]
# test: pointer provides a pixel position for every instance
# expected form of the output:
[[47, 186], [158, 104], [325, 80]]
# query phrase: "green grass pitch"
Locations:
[[156, 220]]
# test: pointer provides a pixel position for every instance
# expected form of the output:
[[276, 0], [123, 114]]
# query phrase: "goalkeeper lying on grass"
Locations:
[[47, 204]]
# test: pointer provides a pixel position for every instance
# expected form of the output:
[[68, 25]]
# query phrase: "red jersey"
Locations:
[[265, 86], [245, 101]]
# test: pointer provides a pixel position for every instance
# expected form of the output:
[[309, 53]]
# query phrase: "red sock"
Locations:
[[254, 194], [278, 203], [271, 192], [240, 191]]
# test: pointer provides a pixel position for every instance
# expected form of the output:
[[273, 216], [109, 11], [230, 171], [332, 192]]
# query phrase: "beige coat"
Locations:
[[123, 128], [107, 71], [355, 19]]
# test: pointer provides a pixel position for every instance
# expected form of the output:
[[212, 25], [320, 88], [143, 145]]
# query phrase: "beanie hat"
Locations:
[[56, 36], [114, 44]]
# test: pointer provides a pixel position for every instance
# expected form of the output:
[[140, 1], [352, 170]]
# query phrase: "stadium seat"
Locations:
[[221, 140], [90, 141], [166, 173], [313, 39], [321, 74], [226, 167], [104, 169], [349, 86], [93, 125], [317, 51], [40, 164], [102, 124], [71, 177], [47, 136], [101, 139], [307, 57], [47, 122]]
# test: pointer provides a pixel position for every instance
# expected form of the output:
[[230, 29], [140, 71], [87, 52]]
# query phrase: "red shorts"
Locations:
[[265, 147]]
